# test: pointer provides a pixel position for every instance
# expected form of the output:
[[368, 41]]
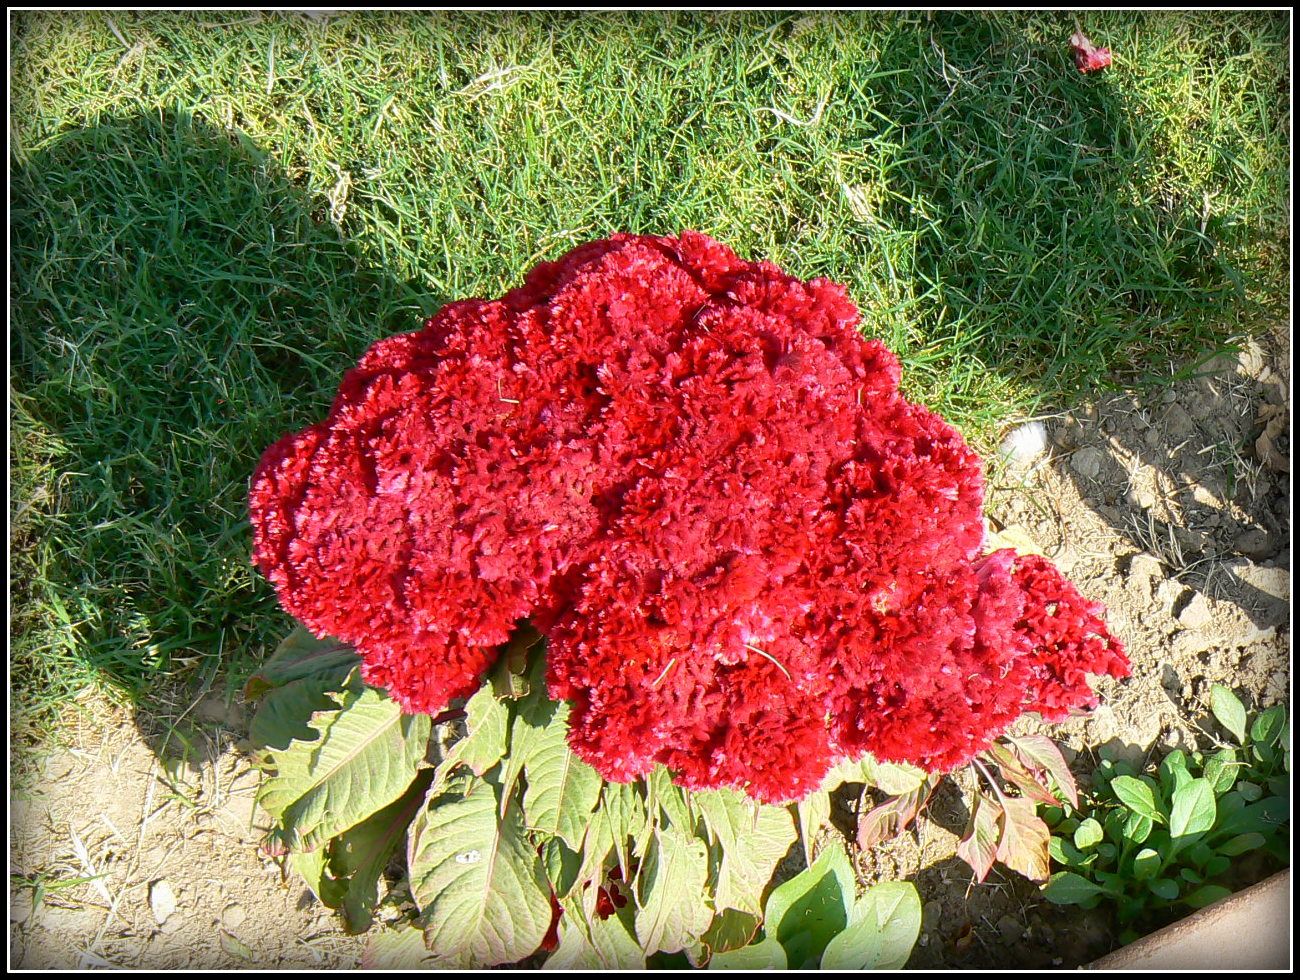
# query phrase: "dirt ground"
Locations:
[[1170, 506]]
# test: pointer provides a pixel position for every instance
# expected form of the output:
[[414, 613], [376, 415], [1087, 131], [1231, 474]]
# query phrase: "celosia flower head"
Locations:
[[750, 554]]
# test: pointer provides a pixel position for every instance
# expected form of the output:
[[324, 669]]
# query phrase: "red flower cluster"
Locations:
[[751, 555]]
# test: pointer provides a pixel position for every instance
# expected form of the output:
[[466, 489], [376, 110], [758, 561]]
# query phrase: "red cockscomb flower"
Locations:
[[751, 555]]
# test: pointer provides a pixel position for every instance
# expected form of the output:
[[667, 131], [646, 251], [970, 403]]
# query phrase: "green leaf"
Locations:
[[1229, 711], [284, 714], [1145, 864], [1221, 770], [753, 838], [477, 880], [1206, 895], [1068, 888], [620, 814], [1258, 818], [1241, 844], [1137, 796], [562, 865], [767, 954], [1137, 828], [1165, 888], [1249, 792], [812, 812], [1022, 844], [978, 846], [1062, 851], [664, 793], [730, 930], [1268, 725], [562, 789], [301, 655], [310, 866], [487, 721], [1174, 762], [396, 949], [893, 778], [1193, 810], [816, 901], [1088, 833], [858, 770], [1217, 865], [882, 930], [589, 942], [671, 892], [358, 856], [365, 757]]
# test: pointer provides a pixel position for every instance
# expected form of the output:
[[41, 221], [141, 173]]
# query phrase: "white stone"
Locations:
[[162, 900]]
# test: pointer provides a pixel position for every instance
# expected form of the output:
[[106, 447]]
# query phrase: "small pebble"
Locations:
[[1196, 613], [1087, 462]]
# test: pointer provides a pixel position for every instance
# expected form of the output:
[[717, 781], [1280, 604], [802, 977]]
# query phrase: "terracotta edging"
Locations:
[[1250, 930]]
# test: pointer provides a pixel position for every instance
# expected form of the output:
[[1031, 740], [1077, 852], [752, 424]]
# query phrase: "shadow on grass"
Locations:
[[178, 306]]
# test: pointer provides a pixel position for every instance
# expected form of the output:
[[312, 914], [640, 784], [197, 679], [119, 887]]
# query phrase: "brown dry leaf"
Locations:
[[1014, 537], [1274, 419]]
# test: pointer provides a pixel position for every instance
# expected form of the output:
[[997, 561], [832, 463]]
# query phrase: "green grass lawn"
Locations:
[[214, 214]]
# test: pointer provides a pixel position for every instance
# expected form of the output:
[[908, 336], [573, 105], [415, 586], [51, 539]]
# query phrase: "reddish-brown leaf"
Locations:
[[1087, 56]]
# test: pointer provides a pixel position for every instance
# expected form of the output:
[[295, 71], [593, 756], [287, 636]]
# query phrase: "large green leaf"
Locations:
[[892, 778], [753, 839], [358, 856], [731, 929], [300, 655], [562, 789], [594, 943], [1068, 888], [767, 954], [663, 792], [396, 949], [487, 738], [620, 815], [671, 898], [365, 757], [812, 812], [814, 903], [882, 930], [284, 713], [477, 880]]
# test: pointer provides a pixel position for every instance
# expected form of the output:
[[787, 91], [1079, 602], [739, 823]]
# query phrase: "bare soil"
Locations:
[[1170, 506]]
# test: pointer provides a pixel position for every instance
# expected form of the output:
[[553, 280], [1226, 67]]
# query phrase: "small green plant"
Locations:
[[1153, 841]]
